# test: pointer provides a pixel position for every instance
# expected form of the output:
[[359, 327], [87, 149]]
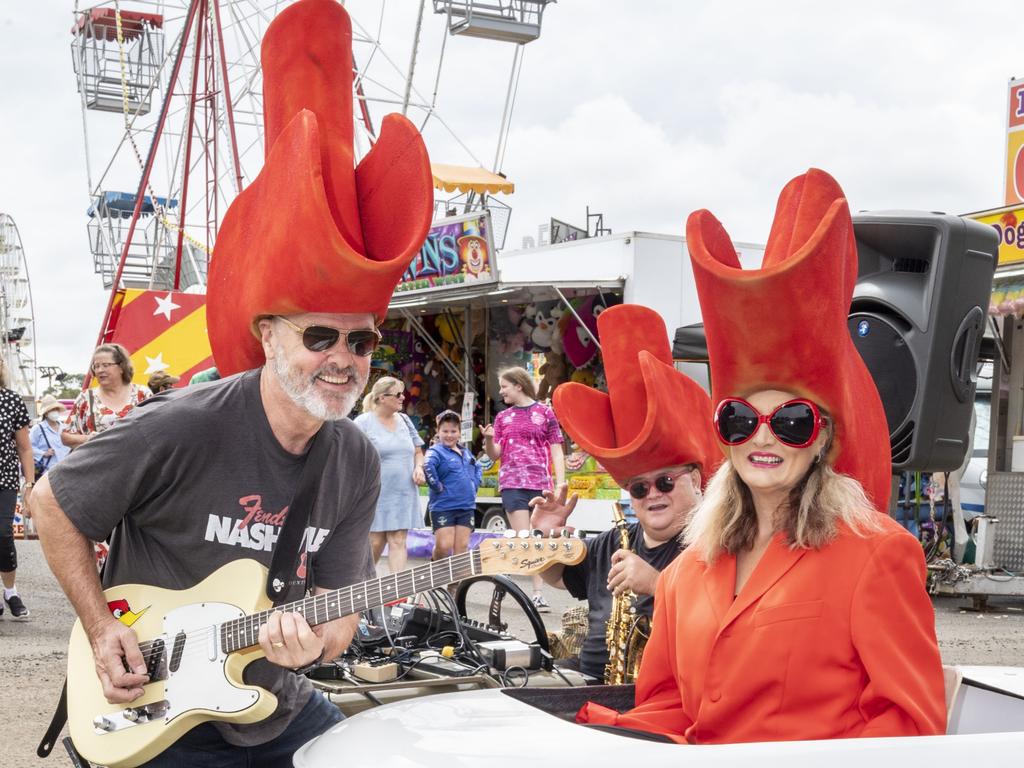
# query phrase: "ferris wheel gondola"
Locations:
[[17, 318]]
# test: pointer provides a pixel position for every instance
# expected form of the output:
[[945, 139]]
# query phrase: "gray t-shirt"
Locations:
[[197, 480]]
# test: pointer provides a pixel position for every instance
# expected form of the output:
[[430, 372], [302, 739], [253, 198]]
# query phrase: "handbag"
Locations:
[[41, 465]]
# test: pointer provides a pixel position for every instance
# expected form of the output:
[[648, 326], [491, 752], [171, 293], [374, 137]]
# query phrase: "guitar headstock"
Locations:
[[525, 554]]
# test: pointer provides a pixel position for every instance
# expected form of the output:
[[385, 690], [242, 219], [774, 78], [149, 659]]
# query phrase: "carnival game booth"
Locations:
[[463, 312]]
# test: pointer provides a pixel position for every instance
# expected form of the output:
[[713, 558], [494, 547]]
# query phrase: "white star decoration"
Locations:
[[156, 364], [165, 306]]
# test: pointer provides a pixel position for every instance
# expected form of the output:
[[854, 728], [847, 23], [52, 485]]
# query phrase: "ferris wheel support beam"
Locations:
[[190, 128], [146, 171], [227, 95]]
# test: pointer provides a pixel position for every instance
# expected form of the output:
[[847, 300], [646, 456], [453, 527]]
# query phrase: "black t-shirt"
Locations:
[[13, 416], [197, 480], [588, 581]]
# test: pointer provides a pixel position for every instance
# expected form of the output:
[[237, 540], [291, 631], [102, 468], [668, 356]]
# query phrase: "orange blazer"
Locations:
[[820, 644]]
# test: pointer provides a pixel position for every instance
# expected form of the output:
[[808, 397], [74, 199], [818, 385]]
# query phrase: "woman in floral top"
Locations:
[[527, 439], [97, 410]]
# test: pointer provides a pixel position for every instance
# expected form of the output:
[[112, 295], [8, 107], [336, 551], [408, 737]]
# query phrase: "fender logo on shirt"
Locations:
[[259, 528]]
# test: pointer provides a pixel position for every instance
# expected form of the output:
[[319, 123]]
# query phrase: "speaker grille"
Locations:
[[901, 441], [890, 363], [906, 264]]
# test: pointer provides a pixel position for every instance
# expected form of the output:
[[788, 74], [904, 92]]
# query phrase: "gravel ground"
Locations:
[[32, 652]]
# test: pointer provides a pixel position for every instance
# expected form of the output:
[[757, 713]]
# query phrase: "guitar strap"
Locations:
[[283, 582], [60, 716]]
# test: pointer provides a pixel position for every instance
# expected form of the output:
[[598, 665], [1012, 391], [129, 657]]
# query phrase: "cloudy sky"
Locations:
[[644, 111]]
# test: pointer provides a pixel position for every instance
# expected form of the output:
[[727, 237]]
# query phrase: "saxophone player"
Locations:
[[652, 433]]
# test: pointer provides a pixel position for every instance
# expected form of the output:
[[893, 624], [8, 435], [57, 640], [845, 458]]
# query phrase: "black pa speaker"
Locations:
[[917, 318]]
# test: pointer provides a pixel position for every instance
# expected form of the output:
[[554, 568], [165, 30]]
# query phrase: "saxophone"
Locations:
[[626, 631]]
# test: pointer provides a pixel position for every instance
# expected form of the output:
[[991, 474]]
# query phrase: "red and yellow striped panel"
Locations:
[[162, 331]]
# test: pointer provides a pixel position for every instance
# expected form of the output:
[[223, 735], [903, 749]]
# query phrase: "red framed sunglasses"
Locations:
[[795, 423]]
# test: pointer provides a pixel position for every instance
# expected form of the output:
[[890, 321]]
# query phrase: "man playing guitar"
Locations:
[[305, 265]]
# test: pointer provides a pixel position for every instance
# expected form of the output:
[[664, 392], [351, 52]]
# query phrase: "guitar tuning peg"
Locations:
[[537, 533], [509, 533], [564, 534], [524, 534]]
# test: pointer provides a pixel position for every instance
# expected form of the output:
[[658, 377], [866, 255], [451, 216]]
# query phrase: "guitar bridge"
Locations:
[[130, 717]]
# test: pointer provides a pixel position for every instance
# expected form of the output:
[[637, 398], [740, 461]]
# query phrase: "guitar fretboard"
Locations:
[[244, 633]]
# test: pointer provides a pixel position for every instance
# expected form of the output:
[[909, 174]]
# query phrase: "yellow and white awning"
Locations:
[[461, 178]]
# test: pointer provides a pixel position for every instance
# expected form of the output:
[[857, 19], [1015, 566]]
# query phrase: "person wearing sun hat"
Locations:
[[798, 610], [47, 448], [652, 433], [305, 263]]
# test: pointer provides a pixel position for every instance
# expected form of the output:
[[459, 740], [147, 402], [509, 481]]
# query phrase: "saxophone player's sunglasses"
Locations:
[[664, 483]]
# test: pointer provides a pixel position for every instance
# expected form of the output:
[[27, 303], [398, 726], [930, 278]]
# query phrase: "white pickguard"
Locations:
[[200, 682]]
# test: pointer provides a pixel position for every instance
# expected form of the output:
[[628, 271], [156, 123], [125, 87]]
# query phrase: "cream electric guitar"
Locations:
[[197, 643]]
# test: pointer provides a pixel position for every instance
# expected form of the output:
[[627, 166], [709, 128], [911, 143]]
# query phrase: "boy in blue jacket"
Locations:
[[453, 476]]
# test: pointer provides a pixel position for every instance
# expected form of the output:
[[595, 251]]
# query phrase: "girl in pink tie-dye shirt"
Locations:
[[527, 439]]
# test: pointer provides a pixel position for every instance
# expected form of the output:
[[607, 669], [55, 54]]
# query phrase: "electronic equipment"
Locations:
[[503, 654], [917, 318]]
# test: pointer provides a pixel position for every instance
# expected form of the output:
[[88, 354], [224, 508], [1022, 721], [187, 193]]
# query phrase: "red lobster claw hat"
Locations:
[[784, 326], [314, 233], [653, 416]]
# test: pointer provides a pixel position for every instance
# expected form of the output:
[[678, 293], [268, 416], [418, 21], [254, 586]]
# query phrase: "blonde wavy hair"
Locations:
[[726, 521], [380, 387]]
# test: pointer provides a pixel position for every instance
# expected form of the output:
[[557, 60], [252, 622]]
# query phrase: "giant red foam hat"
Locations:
[[653, 416], [313, 232], [784, 326]]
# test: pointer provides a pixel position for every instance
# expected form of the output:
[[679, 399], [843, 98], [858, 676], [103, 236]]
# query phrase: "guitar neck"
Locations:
[[328, 606]]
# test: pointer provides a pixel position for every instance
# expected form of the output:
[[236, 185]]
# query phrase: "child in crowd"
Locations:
[[453, 476]]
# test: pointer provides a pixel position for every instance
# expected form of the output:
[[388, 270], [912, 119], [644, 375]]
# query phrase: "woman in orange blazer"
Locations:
[[797, 611]]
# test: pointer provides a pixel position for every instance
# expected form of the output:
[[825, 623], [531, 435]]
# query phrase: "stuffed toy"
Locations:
[[553, 372]]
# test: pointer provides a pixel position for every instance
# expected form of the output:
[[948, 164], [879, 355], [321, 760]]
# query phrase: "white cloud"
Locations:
[[643, 110]]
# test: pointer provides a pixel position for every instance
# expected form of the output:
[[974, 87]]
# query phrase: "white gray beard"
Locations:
[[304, 394]]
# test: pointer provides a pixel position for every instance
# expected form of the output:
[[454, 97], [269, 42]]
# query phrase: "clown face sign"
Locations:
[[458, 252]]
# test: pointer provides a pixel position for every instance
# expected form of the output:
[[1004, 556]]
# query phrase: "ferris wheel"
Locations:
[[172, 116], [17, 320]]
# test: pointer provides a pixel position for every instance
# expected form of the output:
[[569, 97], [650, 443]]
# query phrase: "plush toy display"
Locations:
[[352, 248], [809, 270]]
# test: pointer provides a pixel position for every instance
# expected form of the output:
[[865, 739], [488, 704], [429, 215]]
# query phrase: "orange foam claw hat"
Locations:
[[784, 326], [653, 416], [313, 232]]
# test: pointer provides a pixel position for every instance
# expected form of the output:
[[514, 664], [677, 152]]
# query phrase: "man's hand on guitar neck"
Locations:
[[288, 641], [115, 649]]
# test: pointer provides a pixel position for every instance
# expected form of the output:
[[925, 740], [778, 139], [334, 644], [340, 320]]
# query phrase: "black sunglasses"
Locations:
[[795, 423], [320, 338], [664, 483]]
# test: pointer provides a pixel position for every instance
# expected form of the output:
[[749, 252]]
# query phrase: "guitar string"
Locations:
[[197, 640], [297, 606], [252, 622], [403, 581]]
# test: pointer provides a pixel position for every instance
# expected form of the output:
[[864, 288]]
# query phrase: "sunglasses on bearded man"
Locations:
[[795, 423], [361, 342]]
